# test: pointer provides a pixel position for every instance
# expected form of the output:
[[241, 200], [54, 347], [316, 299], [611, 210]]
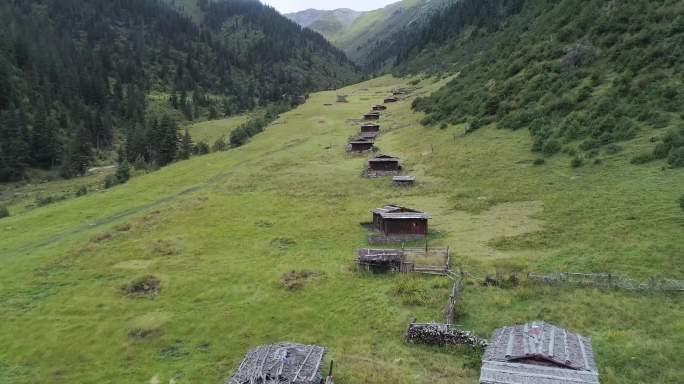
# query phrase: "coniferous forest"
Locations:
[[76, 76]]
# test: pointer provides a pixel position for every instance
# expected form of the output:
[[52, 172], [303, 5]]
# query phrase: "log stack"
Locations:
[[442, 335]]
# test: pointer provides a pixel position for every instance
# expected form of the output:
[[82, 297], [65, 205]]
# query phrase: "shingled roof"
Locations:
[[280, 363], [538, 353]]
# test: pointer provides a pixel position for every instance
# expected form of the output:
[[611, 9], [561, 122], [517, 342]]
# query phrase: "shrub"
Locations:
[[681, 202], [612, 149], [201, 148], [121, 176], [551, 147], [42, 200], [577, 162], [676, 158], [82, 191], [642, 158], [539, 162], [4, 211]]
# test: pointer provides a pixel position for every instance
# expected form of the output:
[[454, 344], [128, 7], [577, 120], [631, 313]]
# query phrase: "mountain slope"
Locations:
[[327, 23], [581, 76], [79, 75], [356, 33], [221, 232], [368, 30]]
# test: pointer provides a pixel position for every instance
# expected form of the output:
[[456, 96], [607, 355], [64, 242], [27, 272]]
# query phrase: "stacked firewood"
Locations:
[[442, 335]]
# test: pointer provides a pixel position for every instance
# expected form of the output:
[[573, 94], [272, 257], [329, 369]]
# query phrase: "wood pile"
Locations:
[[442, 335]]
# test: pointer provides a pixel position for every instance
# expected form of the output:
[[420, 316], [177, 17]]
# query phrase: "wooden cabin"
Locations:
[[369, 135], [404, 181], [391, 100], [538, 353], [281, 363], [360, 144], [379, 108], [370, 127], [371, 116], [384, 163], [394, 220]]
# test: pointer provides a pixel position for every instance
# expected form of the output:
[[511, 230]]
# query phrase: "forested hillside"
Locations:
[[581, 75], [77, 76]]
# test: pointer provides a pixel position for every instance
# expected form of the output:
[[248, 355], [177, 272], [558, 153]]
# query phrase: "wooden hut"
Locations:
[[371, 116], [360, 144], [379, 108], [394, 220], [538, 353], [384, 163], [280, 363], [369, 135], [404, 181], [380, 260], [391, 100], [370, 127]]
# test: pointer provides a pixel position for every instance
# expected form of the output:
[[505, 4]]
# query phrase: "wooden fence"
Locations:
[[607, 281]]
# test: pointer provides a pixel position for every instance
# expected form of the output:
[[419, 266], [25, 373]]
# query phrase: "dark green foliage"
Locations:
[[240, 135], [43, 200], [82, 191], [590, 72], [4, 211], [219, 145], [201, 148], [539, 162], [681, 202], [186, 147], [676, 158], [121, 176], [74, 75], [577, 162]]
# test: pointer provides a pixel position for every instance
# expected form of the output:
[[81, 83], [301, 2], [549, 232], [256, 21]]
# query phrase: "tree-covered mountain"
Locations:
[[77, 76], [580, 75]]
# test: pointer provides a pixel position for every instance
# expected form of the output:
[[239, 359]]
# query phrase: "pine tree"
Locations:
[[168, 148], [186, 148]]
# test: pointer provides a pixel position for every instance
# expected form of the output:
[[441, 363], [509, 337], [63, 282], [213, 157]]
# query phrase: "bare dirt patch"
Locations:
[[143, 287], [296, 280]]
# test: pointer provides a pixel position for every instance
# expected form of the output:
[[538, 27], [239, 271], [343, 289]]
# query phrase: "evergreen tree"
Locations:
[[168, 146], [186, 147]]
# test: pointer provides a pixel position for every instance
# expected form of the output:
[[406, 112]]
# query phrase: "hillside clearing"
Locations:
[[217, 234]]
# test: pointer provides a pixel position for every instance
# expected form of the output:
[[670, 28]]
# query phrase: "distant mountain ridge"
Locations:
[[357, 33]]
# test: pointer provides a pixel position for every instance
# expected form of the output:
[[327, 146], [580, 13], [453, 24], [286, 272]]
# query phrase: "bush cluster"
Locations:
[[4, 211]]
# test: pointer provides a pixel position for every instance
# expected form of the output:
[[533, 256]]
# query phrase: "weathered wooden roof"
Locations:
[[361, 140], [384, 158], [380, 255], [371, 125], [368, 135], [280, 363], [538, 353], [404, 178], [398, 212]]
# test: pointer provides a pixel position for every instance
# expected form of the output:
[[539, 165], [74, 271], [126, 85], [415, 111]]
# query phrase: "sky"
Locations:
[[285, 6]]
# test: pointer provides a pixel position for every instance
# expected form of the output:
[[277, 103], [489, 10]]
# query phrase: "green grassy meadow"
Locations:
[[220, 231]]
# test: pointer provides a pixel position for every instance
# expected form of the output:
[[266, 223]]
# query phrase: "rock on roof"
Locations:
[[280, 363], [538, 353]]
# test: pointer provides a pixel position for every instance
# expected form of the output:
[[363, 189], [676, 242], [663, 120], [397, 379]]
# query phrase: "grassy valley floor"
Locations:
[[219, 232]]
